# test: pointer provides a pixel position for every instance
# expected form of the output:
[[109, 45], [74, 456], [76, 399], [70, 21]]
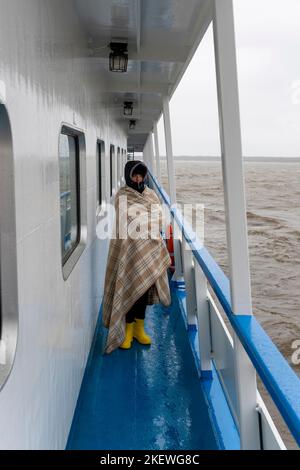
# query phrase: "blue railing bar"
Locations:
[[214, 274], [279, 379], [161, 191]]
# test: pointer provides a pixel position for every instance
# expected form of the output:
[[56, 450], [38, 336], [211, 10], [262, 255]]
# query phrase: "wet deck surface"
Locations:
[[146, 398]]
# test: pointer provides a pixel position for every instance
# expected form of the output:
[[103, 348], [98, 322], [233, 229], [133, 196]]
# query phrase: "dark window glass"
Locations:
[[69, 193], [119, 162], [99, 173], [112, 168], [124, 163], [122, 166]]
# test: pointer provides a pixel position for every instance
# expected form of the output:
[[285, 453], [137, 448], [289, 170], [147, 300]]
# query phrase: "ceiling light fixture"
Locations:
[[118, 58], [128, 108]]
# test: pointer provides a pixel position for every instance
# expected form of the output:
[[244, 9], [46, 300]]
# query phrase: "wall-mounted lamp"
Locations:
[[118, 58], [128, 108], [132, 124]]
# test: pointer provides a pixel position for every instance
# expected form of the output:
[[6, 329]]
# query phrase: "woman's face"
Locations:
[[137, 178]]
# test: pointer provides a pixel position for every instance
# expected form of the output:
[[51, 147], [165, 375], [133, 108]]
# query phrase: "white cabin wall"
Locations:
[[47, 83]]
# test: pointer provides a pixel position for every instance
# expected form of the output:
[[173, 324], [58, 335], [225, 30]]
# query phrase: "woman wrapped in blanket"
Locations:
[[136, 273]]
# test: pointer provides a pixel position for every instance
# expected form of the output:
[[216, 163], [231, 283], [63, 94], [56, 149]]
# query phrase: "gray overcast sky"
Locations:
[[268, 49]]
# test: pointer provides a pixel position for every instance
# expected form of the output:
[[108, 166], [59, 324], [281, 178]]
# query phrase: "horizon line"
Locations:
[[247, 158]]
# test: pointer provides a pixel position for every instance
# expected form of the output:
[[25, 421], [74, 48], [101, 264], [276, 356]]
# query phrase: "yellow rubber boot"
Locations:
[[139, 332], [128, 336]]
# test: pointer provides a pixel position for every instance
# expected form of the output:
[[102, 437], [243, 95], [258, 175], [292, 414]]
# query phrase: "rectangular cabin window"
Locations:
[[122, 167], [100, 148], [119, 164], [112, 169], [69, 193], [123, 164]]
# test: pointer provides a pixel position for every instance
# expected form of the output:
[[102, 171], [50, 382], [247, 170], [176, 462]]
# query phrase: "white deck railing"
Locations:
[[216, 346]]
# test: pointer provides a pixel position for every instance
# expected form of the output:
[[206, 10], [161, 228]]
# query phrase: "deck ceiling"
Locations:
[[162, 37]]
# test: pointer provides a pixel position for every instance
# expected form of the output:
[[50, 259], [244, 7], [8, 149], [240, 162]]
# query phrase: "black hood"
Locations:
[[134, 167]]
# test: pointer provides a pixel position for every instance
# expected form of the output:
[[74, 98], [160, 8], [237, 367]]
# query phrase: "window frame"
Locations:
[[9, 318], [119, 161], [124, 161], [69, 261], [100, 197], [112, 167], [121, 166]]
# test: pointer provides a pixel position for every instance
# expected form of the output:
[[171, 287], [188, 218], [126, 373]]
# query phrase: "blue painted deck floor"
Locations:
[[146, 398]]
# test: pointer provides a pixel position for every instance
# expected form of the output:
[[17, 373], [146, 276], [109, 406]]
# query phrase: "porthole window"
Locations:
[[71, 174]]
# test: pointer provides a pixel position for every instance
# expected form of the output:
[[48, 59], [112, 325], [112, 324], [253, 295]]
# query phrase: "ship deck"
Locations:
[[146, 398]]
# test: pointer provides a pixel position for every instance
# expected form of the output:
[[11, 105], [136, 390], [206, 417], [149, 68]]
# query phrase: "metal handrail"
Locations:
[[280, 380]]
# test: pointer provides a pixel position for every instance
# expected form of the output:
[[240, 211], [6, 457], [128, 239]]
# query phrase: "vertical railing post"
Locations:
[[146, 153], [172, 186], [151, 155], [157, 156], [169, 150], [235, 207]]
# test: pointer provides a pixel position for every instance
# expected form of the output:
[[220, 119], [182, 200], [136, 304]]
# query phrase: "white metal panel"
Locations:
[[105, 19], [270, 436], [223, 355], [190, 287], [203, 318], [47, 84]]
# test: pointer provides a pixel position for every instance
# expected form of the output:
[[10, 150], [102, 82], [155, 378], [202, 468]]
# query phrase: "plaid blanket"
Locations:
[[135, 265]]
